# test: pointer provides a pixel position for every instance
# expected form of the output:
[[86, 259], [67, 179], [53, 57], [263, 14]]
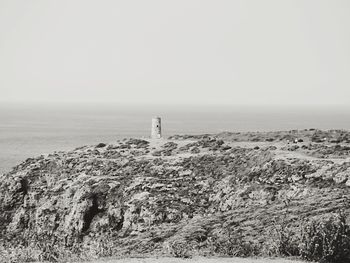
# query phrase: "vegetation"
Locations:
[[202, 196], [325, 240]]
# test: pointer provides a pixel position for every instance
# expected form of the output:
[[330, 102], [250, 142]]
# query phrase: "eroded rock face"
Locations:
[[135, 193]]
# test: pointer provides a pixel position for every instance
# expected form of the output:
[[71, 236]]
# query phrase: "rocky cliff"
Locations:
[[228, 193]]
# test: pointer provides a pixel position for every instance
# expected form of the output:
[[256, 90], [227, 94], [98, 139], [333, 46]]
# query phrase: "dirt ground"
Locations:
[[196, 260]]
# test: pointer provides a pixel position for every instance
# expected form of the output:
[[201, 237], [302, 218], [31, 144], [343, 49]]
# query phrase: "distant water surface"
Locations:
[[30, 130]]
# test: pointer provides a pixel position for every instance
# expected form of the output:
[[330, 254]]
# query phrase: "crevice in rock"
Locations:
[[119, 226], [90, 214], [24, 186]]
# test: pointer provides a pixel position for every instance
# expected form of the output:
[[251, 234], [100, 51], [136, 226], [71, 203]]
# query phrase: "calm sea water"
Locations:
[[31, 130]]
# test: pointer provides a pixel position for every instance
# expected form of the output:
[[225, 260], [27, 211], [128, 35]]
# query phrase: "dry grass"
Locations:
[[195, 260]]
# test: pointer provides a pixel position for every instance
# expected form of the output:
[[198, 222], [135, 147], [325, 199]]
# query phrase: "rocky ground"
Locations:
[[224, 194]]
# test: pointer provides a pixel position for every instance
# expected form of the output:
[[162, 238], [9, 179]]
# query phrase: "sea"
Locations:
[[29, 130]]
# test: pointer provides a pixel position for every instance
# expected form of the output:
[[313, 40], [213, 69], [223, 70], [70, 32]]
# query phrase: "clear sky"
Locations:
[[174, 52]]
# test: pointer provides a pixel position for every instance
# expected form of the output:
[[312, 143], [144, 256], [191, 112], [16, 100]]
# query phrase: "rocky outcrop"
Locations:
[[142, 196]]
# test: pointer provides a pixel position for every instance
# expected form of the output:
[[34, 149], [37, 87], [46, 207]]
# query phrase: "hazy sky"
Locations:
[[179, 51]]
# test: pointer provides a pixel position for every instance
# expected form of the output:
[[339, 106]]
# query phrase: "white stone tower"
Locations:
[[156, 128]]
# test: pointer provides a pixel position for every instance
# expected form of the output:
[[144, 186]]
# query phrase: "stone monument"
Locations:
[[156, 128]]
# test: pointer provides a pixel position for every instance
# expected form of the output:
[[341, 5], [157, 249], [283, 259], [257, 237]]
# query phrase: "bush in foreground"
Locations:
[[326, 240]]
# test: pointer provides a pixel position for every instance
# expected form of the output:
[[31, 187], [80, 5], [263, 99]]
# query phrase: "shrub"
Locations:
[[326, 240], [286, 241], [233, 245], [180, 249]]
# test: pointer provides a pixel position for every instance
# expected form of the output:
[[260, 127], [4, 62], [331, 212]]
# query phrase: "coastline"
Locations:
[[181, 196]]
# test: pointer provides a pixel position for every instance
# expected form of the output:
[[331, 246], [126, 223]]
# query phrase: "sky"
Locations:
[[226, 52]]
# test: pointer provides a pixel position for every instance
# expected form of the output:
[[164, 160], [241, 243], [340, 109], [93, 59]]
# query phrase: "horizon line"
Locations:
[[187, 104]]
